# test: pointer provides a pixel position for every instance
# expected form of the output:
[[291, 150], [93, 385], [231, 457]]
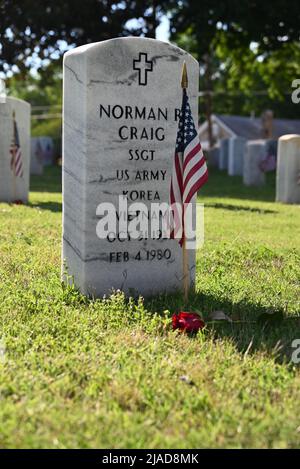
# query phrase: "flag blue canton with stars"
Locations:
[[186, 127]]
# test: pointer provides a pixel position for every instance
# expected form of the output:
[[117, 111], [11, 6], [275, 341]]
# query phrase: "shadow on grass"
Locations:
[[253, 328], [238, 208], [52, 206]]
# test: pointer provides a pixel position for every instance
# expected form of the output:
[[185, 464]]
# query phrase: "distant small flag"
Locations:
[[16, 153], [189, 168], [268, 164]]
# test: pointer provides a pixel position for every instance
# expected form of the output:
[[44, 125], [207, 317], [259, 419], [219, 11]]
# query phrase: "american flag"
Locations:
[[189, 169], [16, 154], [268, 164]]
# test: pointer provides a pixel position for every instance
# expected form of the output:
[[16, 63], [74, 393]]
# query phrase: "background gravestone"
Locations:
[[288, 170], [121, 107], [14, 185], [36, 158], [254, 155], [213, 155], [47, 145], [223, 158], [236, 151]]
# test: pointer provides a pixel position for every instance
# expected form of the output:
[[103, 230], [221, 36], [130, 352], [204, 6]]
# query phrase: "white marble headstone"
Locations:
[[121, 106], [236, 152], [36, 158], [223, 158], [288, 170], [14, 162], [213, 156], [254, 155]]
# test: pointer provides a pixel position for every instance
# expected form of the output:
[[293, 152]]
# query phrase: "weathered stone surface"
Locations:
[[121, 107], [14, 179], [288, 170]]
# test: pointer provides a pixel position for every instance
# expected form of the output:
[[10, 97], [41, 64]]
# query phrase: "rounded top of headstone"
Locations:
[[119, 65], [237, 138], [126, 41], [12, 100], [290, 137], [256, 142], [11, 107]]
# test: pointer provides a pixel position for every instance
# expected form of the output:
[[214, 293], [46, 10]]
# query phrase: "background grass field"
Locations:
[[81, 373]]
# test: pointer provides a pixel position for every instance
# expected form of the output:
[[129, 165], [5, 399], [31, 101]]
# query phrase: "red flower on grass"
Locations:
[[18, 202], [187, 322]]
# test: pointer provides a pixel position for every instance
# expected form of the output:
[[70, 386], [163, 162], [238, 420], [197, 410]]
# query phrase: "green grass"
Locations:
[[81, 373]]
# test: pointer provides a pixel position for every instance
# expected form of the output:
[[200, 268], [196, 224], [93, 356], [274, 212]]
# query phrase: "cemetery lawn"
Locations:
[[76, 373]]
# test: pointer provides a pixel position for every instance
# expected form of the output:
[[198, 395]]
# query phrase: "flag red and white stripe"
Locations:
[[16, 163], [189, 169]]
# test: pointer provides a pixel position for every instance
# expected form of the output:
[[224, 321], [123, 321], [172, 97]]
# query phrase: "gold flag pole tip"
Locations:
[[184, 76]]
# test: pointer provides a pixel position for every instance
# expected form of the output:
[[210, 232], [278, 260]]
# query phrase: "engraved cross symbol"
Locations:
[[143, 65]]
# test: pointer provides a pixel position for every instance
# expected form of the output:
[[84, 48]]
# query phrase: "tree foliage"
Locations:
[[248, 50], [269, 23], [33, 30], [252, 48]]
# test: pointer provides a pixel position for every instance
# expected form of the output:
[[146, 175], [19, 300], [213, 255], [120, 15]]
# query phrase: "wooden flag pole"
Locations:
[[14, 159], [185, 265], [185, 261]]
